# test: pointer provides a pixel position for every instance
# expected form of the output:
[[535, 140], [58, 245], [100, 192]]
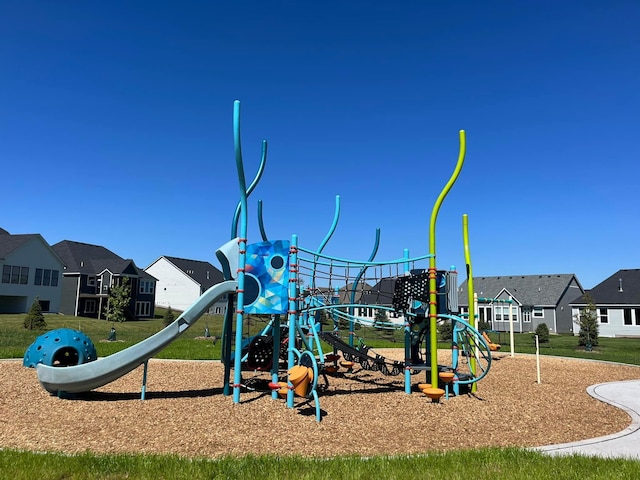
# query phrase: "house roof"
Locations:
[[529, 290], [85, 258], [621, 288], [3, 231], [381, 293], [10, 243], [203, 273]]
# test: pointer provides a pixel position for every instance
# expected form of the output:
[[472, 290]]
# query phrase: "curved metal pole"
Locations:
[[332, 229], [470, 291], [252, 186], [355, 285], [433, 308], [263, 233]]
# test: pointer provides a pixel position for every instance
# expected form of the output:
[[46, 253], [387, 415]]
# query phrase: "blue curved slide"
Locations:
[[88, 376]]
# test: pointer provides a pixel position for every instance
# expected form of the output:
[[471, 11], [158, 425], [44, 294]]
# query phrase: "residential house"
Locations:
[[89, 273], [617, 300], [529, 300], [30, 269], [181, 281]]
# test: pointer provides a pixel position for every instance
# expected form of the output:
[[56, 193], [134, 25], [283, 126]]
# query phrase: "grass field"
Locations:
[[14, 339], [481, 464]]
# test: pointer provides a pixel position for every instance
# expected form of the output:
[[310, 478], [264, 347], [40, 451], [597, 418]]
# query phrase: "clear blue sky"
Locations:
[[116, 127]]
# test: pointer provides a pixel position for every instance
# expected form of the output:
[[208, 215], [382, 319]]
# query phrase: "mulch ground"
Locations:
[[364, 413]]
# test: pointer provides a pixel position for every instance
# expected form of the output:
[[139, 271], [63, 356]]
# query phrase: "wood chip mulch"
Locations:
[[364, 413]]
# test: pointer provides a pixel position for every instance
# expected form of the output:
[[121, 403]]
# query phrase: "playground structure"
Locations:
[[295, 287]]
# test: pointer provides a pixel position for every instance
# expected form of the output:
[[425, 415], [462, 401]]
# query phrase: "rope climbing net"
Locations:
[[354, 290]]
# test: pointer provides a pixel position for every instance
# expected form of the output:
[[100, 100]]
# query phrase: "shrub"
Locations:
[[483, 326], [542, 331], [446, 330], [169, 316], [35, 319]]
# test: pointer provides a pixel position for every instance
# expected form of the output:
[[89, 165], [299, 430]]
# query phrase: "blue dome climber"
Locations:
[[63, 347]]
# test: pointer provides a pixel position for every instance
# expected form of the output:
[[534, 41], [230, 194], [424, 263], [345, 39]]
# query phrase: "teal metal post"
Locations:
[[407, 336], [293, 311], [242, 258], [143, 394]]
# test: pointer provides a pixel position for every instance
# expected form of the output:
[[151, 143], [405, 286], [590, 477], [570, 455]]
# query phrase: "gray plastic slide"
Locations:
[[86, 377]]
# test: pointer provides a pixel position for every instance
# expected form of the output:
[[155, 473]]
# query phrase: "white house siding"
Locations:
[[174, 287], [34, 254]]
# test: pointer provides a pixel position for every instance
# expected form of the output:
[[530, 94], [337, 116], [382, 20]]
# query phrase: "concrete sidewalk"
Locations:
[[624, 444]]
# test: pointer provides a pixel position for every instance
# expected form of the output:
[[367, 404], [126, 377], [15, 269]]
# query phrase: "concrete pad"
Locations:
[[624, 444]]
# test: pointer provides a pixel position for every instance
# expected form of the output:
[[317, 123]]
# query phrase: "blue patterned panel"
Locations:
[[267, 278]]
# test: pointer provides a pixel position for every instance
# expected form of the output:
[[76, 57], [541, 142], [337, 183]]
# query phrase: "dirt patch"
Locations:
[[364, 413]]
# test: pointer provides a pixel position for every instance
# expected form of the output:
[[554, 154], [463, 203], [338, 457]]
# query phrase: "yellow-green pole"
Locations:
[[470, 291], [433, 309]]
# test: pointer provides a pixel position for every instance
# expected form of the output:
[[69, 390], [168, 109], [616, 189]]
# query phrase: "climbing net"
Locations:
[[354, 290]]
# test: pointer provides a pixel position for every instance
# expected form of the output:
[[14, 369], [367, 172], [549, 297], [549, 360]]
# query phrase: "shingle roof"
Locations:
[[525, 289], [203, 273], [381, 293], [89, 259], [9, 243], [621, 288], [3, 231]]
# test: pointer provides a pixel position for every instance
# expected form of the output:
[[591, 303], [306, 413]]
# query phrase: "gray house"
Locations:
[[30, 269], [534, 299], [89, 273], [617, 300]]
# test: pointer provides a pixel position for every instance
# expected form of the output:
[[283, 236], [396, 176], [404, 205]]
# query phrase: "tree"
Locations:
[[169, 316], [588, 322], [542, 331], [35, 319], [446, 330], [380, 319], [119, 300]]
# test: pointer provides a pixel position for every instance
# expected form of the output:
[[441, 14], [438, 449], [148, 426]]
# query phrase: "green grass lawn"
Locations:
[[485, 464], [482, 464]]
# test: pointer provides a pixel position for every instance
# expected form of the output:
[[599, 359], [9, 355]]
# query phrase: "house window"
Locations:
[[143, 309], [46, 277], [538, 312], [90, 306], [91, 281], [146, 286], [514, 313], [15, 274], [526, 314], [6, 274], [603, 313], [627, 316], [637, 312]]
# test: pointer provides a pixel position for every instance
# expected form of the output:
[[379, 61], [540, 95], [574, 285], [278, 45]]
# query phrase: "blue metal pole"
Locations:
[[242, 248]]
